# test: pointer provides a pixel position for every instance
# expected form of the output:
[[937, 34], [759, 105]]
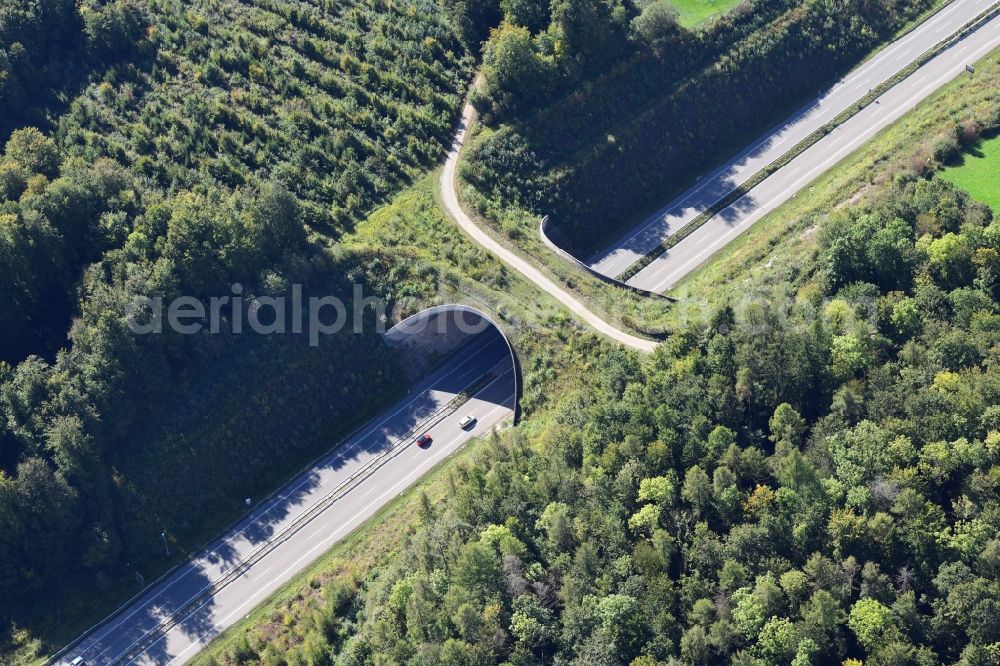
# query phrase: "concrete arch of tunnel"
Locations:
[[448, 321]]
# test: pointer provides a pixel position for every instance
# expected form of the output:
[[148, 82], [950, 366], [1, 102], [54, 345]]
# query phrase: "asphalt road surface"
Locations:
[[450, 199], [711, 188], [132, 636], [667, 270]]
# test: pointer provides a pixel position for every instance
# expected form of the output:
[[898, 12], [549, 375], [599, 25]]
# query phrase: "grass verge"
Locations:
[[280, 623], [802, 146], [773, 251], [619, 306], [359, 552], [424, 248], [420, 233], [658, 197], [778, 249]]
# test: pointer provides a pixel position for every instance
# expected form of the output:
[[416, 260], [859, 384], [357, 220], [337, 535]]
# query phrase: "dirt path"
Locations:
[[450, 197]]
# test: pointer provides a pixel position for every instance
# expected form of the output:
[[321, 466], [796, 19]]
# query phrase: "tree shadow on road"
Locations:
[[184, 597]]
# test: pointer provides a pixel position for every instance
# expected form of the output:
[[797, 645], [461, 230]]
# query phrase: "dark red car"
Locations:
[[424, 440]]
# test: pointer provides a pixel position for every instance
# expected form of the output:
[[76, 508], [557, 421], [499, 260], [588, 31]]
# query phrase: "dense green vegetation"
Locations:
[[690, 96], [177, 148], [779, 251], [295, 95], [797, 285], [48, 48], [977, 172], [169, 147], [800, 480]]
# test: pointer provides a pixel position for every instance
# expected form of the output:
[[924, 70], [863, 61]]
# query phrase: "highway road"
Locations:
[[449, 197], [318, 508], [667, 270], [711, 188], [170, 622]]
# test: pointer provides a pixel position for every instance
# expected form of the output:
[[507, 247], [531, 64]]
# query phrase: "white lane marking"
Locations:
[[851, 145], [406, 480], [251, 568], [200, 562], [899, 111], [914, 36], [672, 209], [195, 596]]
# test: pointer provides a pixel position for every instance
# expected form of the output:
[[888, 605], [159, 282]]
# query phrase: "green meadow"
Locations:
[[693, 12], [978, 173]]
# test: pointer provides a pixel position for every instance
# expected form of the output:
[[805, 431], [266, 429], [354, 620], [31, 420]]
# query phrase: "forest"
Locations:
[[166, 148], [803, 478], [47, 49], [796, 480], [618, 134]]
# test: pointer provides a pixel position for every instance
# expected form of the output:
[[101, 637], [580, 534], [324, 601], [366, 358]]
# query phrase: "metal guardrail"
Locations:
[[452, 405], [803, 145], [307, 516], [193, 552], [545, 231]]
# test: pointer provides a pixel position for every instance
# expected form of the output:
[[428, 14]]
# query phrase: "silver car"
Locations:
[[467, 422]]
